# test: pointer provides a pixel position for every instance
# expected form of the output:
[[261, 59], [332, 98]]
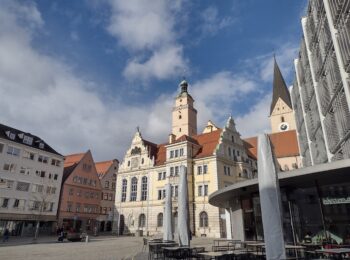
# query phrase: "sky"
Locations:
[[84, 74]]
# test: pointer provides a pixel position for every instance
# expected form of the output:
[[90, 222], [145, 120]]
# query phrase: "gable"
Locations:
[[85, 168]]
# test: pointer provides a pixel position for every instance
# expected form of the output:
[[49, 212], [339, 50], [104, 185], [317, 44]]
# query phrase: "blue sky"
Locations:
[[84, 74]]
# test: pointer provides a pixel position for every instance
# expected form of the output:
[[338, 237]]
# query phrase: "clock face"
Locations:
[[284, 126]]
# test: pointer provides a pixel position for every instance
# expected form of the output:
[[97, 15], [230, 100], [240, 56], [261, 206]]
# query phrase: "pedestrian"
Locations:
[[6, 235]]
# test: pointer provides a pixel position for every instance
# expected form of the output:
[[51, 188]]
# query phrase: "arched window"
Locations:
[[124, 187], [160, 220], [133, 191], [282, 118], [203, 219], [142, 220], [144, 188]]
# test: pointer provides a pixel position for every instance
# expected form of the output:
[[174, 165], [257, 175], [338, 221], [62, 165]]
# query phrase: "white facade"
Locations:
[[30, 182]]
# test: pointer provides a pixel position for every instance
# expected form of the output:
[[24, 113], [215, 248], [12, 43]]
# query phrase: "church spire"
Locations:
[[280, 89]]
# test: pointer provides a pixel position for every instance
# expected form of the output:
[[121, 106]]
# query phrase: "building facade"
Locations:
[[320, 93], [107, 173], [80, 197], [30, 182], [214, 159]]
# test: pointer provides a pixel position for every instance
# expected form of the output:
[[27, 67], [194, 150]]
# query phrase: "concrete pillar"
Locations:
[[228, 224], [237, 222]]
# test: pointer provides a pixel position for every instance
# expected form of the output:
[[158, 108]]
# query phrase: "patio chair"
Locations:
[[196, 250]]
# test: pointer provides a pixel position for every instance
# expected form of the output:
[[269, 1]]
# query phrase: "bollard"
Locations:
[[87, 239]]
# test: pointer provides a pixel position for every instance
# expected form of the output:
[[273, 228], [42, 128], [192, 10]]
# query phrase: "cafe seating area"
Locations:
[[224, 249]]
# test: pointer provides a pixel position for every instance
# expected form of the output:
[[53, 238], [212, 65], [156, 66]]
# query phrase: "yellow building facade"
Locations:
[[214, 159]]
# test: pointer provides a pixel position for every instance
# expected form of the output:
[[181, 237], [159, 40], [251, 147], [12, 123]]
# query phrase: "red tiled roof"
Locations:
[[208, 143], [102, 167], [285, 144], [71, 159], [160, 157]]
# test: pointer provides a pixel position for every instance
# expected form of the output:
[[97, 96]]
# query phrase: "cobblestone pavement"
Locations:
[[99, 248]]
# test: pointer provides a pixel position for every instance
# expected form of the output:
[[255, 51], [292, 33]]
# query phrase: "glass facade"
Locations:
[[320, 211]]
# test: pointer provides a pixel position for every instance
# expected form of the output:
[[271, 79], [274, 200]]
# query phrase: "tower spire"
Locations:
[[280, 89]]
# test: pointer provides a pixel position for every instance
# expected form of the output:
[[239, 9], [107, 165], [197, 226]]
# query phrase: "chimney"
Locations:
[[171, 138]]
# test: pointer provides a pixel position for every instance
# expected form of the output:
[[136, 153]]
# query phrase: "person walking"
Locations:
[[6, 235]]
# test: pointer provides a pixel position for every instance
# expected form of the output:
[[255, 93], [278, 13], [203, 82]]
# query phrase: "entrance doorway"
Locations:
[[121, 224]]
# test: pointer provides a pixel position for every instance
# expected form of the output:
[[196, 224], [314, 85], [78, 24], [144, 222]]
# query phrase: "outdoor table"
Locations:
[[215, 255], [157, 248], [335, 251]]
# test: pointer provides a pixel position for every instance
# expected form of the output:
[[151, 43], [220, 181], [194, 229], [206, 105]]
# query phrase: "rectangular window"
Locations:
[[171, 171], [159, 176], [159, 194], [107, 185], [163, 194], [11, 167], [113, 185], [7, 184], [77, 207], [5, 203], [13, 151], [199, 170], [176, 170], [171, 154], [22, 186], [24, 170], [48, 190], [71, 191], [69, 206], [225, 172], [172, 191], [43, 159], [206, 190], [105, 196], [176, 153], [176, 191], [110, 197], [181, 151], [55, 162], [228, 171], [55, 177], [205, 169], [200, 190], [16, 203], [1, 147], [164, 175], [27, 140], [53, 190]]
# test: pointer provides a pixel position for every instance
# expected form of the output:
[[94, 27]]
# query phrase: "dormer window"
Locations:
[[41, 145], [12, 136], [27, 140]]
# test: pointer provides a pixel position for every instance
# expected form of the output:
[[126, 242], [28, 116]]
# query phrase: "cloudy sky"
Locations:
[[84, 74]]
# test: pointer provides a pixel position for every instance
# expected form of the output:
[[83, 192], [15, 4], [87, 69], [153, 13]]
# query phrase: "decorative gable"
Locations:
[[141, 154]]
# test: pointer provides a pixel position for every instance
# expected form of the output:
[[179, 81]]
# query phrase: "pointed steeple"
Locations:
[[280, 89]]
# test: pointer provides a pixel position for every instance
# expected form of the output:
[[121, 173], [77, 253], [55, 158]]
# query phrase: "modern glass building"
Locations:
[[315, 201]]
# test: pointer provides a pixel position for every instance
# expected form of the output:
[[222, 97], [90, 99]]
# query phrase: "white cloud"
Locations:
[[263, 65], [146, 29], [42, 95], [255, 121], [212, 22], [163, 64]]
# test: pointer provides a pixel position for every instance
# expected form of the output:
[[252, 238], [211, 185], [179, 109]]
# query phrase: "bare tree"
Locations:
[[42, 202]]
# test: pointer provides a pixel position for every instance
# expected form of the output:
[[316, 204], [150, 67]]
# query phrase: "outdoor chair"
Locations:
[[195, 251]]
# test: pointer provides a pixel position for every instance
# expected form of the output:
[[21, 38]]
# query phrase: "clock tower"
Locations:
[[281, 111], [184, 115]]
